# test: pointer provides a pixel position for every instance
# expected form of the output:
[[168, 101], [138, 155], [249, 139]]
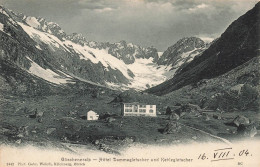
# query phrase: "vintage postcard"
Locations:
[[129, 83]]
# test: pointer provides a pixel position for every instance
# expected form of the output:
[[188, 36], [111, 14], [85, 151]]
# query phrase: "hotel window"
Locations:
[[142, 106], [128, 110], [135, 108], [142, 110], [150, 111], [128, 105]]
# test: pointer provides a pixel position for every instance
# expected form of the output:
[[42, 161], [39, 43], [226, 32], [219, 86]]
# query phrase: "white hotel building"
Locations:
[[138, 109]]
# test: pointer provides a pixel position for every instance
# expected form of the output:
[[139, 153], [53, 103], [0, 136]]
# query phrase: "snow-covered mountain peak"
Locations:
[[187, 44], [50, 50], [38, 23], [182, 53], [77, 38]]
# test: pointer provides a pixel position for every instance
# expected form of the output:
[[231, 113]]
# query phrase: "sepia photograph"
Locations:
[[129, 83]]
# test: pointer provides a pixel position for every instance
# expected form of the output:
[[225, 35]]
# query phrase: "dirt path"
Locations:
[[216, 137]]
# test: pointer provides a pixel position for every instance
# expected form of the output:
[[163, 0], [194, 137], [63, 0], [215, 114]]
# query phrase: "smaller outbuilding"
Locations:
[[91, 115]]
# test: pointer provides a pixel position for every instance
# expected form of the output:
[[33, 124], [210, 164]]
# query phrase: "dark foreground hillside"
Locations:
[[61, 119]]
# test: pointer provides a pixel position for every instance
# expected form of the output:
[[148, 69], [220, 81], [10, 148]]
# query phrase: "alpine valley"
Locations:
[[44, 50], [49, 80]]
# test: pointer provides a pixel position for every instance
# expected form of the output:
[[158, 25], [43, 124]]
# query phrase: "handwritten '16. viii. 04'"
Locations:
[[224, 154]]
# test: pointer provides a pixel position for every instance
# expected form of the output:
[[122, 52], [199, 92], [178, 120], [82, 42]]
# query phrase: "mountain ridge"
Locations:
[[116, 65], [237, 45]]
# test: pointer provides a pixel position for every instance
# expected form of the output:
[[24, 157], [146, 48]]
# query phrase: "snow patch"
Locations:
[[187, 54], [3, 12], [192, 55], [33, 22], [92, 44], [130, 45], [38, 47], [39, 37], [47, 74], [44, 27], [180, 62], [122, 87], [147, 73], [207, 39], [61, 31], [99, 55], [160, 54], [1, 27], [12, 21]]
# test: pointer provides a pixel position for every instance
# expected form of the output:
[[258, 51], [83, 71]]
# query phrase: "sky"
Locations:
[[158, 23]]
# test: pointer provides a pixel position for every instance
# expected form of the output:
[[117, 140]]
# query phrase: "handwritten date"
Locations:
[[224, 154]]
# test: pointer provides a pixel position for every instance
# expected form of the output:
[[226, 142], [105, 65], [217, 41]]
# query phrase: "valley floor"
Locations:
[[62, 120]]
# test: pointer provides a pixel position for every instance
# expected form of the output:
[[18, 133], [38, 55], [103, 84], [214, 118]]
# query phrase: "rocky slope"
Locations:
[[236, 90], [237, 45], [127, 52], [182, 53], [44, 50]]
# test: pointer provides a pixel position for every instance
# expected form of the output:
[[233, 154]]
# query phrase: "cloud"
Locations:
[[207, 37], [97, 4], [104, 10], [198, 7], [201, 6], [146, 22]]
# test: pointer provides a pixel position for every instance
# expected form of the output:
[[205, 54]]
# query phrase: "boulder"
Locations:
[[194, 137], [171, 127], [219, 110], [182, 114], [217, 116], [50, 130], [237, 88], [241, 120], [96, 142], [247, 130], [168, 111], [39, 120], [174, 116], [207, 118], [19, 141], [39, 113], [129, 140], [193, 107], [26, 110], [195, 114], [187, 108], [33, 131], [23, 131], [178, 104], [110, 119], [179, 111], [32, 115]]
